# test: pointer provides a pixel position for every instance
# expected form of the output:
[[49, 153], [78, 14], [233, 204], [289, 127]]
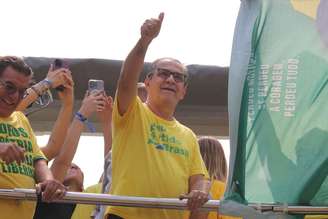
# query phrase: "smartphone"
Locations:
[[95, 85], [59, 63]]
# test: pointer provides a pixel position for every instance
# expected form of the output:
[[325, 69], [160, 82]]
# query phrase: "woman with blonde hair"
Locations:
[[214, 158], [216, 164]]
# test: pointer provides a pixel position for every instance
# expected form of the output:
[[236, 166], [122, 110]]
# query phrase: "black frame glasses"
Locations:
[[165, 74]]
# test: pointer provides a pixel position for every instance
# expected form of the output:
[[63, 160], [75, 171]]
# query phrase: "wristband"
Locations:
[[47, 81], [83, 119], [80, 117], [41, 87]]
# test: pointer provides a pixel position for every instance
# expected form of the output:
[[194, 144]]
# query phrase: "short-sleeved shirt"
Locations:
[[217, 192], [151, 157], [83, 211], [17, 129]]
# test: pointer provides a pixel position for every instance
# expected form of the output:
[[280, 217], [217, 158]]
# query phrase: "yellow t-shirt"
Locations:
[[316, 217], [16, 128], [217, 192], [151, 157], [84, 211]]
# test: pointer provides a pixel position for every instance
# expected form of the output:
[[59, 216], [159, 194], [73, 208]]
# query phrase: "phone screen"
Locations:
[[95, 85], [59, 63]]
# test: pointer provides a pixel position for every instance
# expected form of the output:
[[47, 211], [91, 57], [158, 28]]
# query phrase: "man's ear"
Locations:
[[184, 92]]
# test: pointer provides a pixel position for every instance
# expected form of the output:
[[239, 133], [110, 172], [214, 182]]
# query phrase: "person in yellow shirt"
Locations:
[[22, 163], [153, 155], [216, 164], [83, 211], [54, 78], [62, 168]]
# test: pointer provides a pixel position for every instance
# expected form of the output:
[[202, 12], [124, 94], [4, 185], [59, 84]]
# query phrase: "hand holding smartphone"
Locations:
[[59, 63], [96, 89], [95, 85]]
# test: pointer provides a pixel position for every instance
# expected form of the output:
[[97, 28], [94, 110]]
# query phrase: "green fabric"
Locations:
[[279, 132]]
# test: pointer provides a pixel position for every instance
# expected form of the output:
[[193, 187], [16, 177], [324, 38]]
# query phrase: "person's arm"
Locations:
[[59, 131], [198, 215], [54, 79], [199, 188], [93, 102], [107, 132], [105, 118], [31, 96], [63, 161], [133, 64], [51, 189]]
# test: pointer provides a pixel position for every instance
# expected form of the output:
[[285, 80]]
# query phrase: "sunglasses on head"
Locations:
[[12, 89], [165, 74]]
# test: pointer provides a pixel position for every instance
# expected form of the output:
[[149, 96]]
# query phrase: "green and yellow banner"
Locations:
[[278, 103]]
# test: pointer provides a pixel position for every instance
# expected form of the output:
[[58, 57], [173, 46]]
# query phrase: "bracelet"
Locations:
[[80, 117], [48, 82], [41, 87], [83, 119]]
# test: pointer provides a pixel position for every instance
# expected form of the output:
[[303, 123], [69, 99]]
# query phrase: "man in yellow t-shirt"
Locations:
[[21, 161], [153, 155]]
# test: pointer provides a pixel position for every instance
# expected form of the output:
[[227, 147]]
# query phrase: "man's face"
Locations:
[[167, 82], [13, 85]]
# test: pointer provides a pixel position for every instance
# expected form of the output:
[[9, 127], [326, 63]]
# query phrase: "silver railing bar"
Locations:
[[163, 203]]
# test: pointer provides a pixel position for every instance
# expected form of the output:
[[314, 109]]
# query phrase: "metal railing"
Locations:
[[113, 200], [142, 202]]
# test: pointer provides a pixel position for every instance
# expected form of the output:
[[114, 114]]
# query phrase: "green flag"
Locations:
[[278, 103]]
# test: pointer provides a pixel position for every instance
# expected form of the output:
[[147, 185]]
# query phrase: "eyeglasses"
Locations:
[[165, 74], [12, 89]]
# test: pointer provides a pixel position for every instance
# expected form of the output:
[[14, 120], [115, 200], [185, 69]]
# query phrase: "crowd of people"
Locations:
[[147, 152]]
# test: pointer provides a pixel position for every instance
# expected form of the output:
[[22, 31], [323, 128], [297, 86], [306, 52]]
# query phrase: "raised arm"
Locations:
[[93, 102], [133, 64], [59, 131], [105, 118], [54, 79]]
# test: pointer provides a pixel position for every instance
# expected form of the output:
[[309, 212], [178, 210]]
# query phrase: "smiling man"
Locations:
[[21, 161], [153, 154]]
